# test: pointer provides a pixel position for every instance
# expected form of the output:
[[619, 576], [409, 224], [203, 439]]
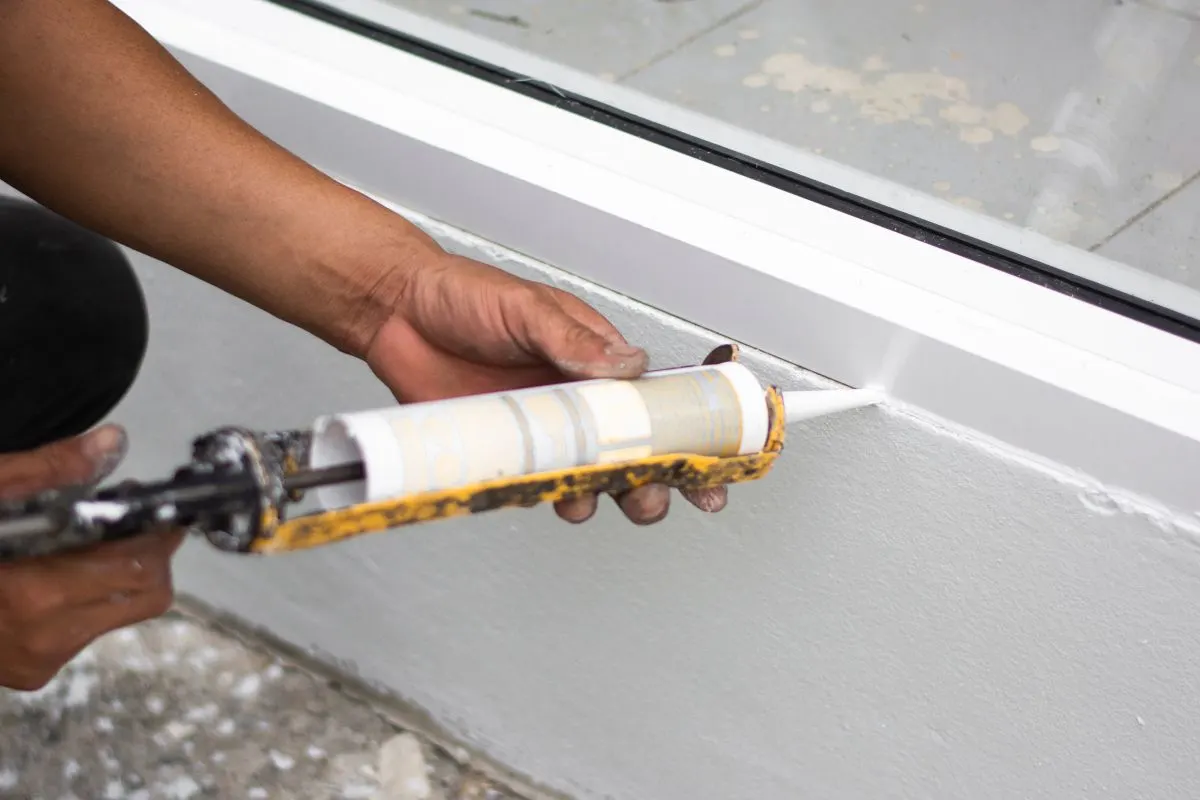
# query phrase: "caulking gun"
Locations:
[[687, 428]]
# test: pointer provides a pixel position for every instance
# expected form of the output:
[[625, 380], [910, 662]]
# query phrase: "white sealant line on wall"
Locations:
[[1096, 496]]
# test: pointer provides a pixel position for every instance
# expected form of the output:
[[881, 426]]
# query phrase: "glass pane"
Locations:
[[1064, 131]]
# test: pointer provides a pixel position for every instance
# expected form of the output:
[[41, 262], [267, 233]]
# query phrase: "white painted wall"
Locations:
[[899, 610]]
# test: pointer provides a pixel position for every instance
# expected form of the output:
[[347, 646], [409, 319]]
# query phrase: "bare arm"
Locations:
[[101, 124]]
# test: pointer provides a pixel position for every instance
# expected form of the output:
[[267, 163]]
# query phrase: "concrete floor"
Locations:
[[1074, 118], [177, 709]]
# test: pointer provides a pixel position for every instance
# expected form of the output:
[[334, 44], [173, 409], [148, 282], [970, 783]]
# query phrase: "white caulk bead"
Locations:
[[804, 405]]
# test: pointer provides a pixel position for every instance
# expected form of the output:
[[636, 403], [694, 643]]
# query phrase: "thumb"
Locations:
[[77, 461], [574, 348]]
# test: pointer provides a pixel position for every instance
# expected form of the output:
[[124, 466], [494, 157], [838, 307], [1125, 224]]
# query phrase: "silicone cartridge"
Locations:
[[714, 410]]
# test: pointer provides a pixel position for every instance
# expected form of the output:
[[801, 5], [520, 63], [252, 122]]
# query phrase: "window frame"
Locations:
[[962, 345]]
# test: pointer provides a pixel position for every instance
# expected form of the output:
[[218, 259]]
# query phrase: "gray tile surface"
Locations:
[[1071, 117], [967, 99], [176, 709], [604, 37], [1166, 241]]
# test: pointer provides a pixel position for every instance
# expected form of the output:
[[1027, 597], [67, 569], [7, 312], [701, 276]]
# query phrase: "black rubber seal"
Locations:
[[1050, 277]]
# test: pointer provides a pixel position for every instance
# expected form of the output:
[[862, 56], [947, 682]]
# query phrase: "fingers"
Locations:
[[403, 359], [80, 460], [52, 607], [52, 645], [578, 509], [134, 566], [709, 500], [46, 585], [587, 315], [540, 320], [646, 505]]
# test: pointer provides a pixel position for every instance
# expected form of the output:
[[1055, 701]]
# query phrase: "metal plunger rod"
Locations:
[[326, 476], [45, 524]]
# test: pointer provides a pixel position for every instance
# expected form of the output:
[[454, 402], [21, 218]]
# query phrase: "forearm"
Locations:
[[101, 124]]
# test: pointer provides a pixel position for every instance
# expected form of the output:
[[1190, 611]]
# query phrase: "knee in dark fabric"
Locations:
[[73, 326]]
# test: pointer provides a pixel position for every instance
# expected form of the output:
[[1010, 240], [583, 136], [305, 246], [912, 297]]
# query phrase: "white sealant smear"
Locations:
[[79, 689], [182, 788], [1045, 144], [247, 687], [205, 713], [402, 769]]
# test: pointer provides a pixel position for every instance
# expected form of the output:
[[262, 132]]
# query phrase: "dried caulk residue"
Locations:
[[1045, 144], [181, 788], [888, 97], [976, 135], [403, 775], [247, 687], [725, 51], [749, 34], [1059, 221], [875, 64], [1005, 118], [942, 186], [1167, 181]]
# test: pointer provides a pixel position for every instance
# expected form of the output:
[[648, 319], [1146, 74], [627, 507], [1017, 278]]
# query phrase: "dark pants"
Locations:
[[73, 326]]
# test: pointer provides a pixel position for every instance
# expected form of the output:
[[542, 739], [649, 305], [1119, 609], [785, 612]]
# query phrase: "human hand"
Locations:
[[51, 607], [461, 328]]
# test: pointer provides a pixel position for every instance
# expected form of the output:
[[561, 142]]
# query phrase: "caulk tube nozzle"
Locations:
[[817, 403]]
